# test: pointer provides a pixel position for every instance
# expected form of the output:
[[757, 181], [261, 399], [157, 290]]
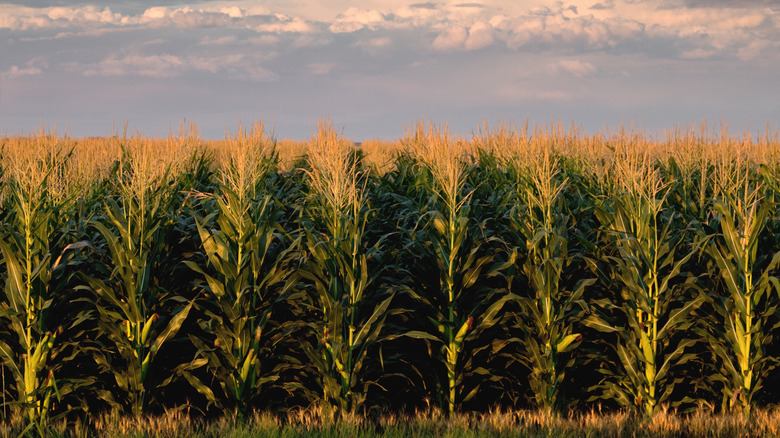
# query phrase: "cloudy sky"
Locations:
[[373, 66]]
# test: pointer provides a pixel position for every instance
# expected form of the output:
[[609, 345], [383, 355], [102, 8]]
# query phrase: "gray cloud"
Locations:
[[729, 3], [427, 5], [610, 4]]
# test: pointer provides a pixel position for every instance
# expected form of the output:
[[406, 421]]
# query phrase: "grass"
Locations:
[[317, 423]]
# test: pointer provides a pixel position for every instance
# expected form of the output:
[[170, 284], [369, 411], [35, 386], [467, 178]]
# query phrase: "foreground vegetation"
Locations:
[[519, 269], [315, 423]]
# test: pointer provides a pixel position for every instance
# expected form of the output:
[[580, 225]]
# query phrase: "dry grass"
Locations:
[[316, 422]]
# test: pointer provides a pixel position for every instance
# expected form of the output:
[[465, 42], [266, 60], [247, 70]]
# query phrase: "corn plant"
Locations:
[[245, 248], [28, 264], [350, 318], [651, 319], [747, 311], [29, 344], [135, 315], [550, 312], [460, 309]]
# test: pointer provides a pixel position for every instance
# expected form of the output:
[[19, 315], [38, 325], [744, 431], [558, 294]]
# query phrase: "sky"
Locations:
[[374, 67]]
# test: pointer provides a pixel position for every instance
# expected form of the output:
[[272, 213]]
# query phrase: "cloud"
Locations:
[[480, 35], [232, 11], [156, 13], [320, 68], [686, 29], [753, 49], [354, 19], [263, 40], [21, 18], [729, 3], [572, 67], [279, 23], [475, 36], [166, 66], [603, 6], [451, 38], [374, 45], [307, 40], [543, 30], [218, 41], [427, 5], [85, 14], [33, 67], [698, 53], [155, 66]]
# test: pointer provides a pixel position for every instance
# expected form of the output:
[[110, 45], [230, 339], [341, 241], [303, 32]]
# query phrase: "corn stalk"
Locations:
[[747, 312], [29, 344], [246, 252], [652, 317], [460, 309], [350, 318], [25, 249], [134, 314], [550, 312]]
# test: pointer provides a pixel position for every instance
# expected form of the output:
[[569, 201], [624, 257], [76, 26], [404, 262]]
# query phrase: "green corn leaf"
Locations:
[[596, 322], [568, 343], [171, 329], [679, 315]]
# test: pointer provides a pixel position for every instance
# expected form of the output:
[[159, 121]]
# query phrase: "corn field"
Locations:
[[520, 268]]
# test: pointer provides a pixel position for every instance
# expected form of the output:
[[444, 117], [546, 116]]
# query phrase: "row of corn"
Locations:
[[518, 268]]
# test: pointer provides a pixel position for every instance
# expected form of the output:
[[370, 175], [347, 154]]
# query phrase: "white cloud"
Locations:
[[26, 18], [285, 24], [33, 67], [450, 38], [156, 66], [85, 14], [232, 11], [156, 13], [480, 35], [162, 66], [354, 19], [571, 27], [572, 67]]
